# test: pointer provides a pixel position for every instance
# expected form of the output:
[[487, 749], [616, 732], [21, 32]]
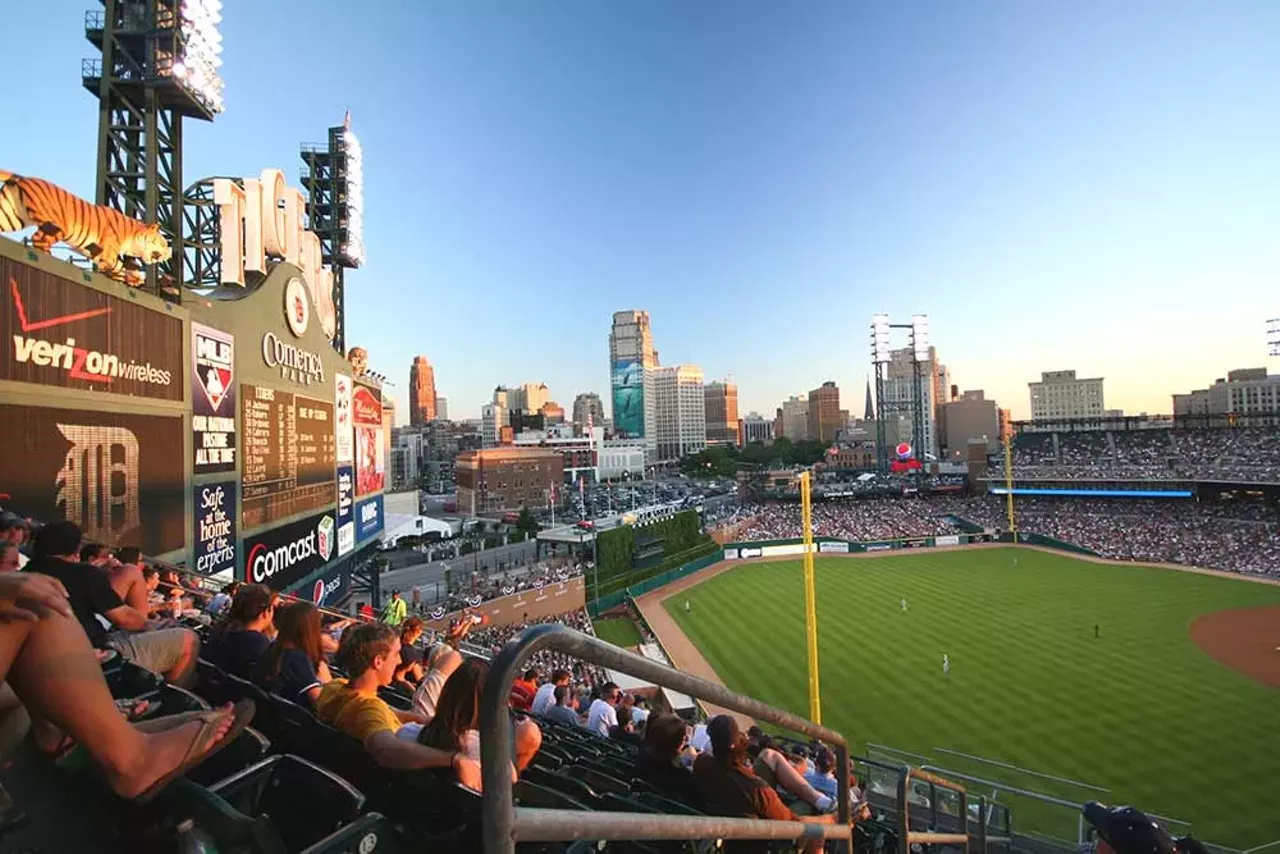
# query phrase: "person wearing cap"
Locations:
[[394, 612], [1127, 830], [730, 788]]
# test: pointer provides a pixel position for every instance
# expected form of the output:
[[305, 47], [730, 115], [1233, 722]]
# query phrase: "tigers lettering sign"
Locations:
[[59, 333], [119, 477]]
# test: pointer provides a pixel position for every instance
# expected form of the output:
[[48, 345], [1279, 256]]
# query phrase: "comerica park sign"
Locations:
[[260, 221]]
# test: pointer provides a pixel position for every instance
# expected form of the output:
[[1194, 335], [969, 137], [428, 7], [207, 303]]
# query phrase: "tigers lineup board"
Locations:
[[288, 454]]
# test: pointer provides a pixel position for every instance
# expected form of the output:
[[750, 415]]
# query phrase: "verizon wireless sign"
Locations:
[[59, 333], [280, 557]]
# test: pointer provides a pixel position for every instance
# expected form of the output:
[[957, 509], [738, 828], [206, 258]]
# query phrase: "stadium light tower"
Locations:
[[1273, 336], [159, 65], [333, 175]]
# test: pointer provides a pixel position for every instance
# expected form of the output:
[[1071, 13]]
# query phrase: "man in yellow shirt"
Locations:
[[394, 612], [370, 653]]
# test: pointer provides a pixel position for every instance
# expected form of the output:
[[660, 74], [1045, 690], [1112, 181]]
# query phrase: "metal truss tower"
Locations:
[[158, 66], [333, 175]]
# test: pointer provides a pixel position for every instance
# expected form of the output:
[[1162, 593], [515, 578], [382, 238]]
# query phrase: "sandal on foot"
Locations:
[[199, 750]]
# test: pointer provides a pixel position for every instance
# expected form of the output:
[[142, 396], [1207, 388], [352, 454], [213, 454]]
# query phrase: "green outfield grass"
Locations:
[[1141, 710], [619, 631]]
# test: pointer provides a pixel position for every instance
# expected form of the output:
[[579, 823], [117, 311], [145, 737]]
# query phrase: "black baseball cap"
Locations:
[[1128, 830]]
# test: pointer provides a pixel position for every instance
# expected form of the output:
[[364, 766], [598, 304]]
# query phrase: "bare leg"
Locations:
[[52, 668], [787, 776], [528, 740], [182, 672]]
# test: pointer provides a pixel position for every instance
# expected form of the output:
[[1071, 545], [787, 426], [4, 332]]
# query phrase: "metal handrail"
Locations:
[[930, 837], [504, 825]]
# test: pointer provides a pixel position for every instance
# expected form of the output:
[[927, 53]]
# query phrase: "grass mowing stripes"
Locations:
[[1140, 710], [619, 631]]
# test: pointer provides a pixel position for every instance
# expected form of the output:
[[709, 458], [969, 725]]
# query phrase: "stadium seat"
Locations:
[[214, 685], [128, 680], [574, 788], [248, 748], [665, 805], [597, 780], [304, 802], [528, 794]]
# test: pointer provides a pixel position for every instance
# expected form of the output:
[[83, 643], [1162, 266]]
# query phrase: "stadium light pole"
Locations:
[[1273, 336], [810, 606]]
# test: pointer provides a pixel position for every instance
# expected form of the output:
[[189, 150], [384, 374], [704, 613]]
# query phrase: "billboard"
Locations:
[[346, 508], [288, 453], [628, 398], [215, 527], [64, 334], [371, 459], [330, 589], [342, 418], [213, 400], [369, 518], [282, 556], [118, 476]]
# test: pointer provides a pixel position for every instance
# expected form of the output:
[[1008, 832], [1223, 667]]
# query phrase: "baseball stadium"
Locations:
[[1065, 641]]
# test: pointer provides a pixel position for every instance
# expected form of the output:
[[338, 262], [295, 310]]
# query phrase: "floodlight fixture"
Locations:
[[352, 248], [1273, 336], [920, 337], [200, 52], [881, 344]]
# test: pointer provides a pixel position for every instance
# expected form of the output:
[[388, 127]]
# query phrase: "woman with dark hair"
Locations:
[[457, 719], [241, 639], [294, 666]]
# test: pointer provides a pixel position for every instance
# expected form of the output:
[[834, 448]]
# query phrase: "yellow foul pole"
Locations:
[[1008, 484], [810, 600]]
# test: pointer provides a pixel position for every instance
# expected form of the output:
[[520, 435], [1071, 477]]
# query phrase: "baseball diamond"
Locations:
[[1180, 722]]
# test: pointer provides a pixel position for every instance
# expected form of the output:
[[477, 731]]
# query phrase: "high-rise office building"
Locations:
[[442, 408], [680, 411], [824, 412], [755, 428], [967, 419], [900, 388], [722, 413], [632, 362], [587, 403], [795, 419], [422, 392], [1060, 395]]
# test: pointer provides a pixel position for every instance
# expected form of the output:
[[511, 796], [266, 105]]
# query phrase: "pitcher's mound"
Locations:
[[1245, 639]]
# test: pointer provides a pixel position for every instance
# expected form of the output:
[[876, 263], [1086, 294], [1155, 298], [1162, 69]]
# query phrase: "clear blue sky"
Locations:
[[1092, 185]]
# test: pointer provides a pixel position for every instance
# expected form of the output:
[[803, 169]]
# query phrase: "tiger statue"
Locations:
[[101, 234]]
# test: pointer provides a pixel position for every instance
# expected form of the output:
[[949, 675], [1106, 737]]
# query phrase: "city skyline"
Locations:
[[1060, 188]]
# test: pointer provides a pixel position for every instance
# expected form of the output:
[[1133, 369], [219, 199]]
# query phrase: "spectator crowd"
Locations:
[[1244, 454], [866, 519]]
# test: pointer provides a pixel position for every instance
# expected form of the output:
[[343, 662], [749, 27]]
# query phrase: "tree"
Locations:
[[526, 524]]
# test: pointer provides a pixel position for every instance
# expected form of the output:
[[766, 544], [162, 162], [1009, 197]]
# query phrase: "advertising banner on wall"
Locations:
[[282, 556], [342, 430], [215, 527], [118, 476], [331, 588], [833, 548], [947, 540], [288, 453], [59, 333], [346, 509], [628, 398], [371, 463], [213, 400], [369, 516]]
